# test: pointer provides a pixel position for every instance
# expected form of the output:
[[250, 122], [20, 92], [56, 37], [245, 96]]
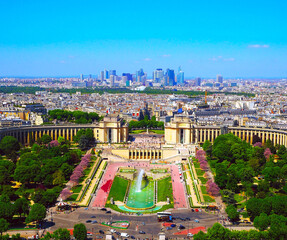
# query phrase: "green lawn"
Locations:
[[138, 131], [203, 180], [164, 190], [196, 164], [118, 189], [73, 197], [203, 190], [77, 188], [207, 198], [199, 172], [157, 131], [205, 194]]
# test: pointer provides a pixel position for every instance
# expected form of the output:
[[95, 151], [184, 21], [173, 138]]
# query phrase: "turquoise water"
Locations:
[[142, 199], [124, 208]]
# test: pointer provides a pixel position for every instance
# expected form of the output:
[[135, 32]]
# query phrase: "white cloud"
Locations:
[[220, 58], [166, 55], [229, 59], [259, 46], [62, 61], [147, 59]]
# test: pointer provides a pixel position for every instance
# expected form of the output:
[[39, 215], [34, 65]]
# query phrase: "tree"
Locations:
[[254, 208], [4, 226], [218, 232], [200, 236], [9, 144], [6, 211], [21, 206], [46, 139], [80, 231], [207, 147], [37, 213], [262, 222], [228, 197], [61, 234], [232, 213]]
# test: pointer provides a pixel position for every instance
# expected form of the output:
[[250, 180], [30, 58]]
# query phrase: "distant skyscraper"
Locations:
[[129, 76], [112, 80], [198, 81], [106, 73], [113, 72], [158, 75], [170, 78], [102, 77], [180, 77], [139, 75], [219, 79], [82, 77]]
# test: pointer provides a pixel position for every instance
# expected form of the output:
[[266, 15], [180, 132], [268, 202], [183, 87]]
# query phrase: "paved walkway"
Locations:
[[85, 200], [179, 195], [189, 182], [104, 188], [88, 177]]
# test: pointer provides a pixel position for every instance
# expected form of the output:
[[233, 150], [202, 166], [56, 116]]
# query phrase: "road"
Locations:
[[147, 223]]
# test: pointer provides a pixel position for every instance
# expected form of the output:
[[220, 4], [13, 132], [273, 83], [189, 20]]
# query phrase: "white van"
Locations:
[[124, 235]]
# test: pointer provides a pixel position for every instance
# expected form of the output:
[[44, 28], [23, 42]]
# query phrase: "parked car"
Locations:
[[89, 234], [141, 232], [168, 228], [88, 221], [187, 219], [173, 225], [103, 209], [180, 227], [108, 212], [196, 220], [93, 216], [132, 237], [95, 221], [101, 232]]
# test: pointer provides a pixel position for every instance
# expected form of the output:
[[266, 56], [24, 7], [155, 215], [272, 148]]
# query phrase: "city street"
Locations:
[[146, 223]]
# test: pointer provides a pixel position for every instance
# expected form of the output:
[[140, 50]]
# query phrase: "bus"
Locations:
[[164, 217]]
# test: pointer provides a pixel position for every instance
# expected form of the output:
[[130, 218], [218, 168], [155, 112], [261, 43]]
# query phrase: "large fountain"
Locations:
[[139, 180], [141, 192]]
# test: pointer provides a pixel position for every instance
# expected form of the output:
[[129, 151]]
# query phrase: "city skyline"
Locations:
[[246, 39]]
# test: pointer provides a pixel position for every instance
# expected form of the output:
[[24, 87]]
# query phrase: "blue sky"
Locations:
[[65, 38]]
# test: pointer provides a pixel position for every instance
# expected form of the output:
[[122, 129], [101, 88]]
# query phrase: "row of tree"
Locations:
[[146, 123], [73, 116], [257, 171], [277, 230], [40, 173]]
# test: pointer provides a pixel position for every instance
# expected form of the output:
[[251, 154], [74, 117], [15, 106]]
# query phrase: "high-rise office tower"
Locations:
[[170, 78], [158, 75], [82, 77], [198, 81], [139, 75], [106, 73], [113, 72], [219, 79], [102, 76], [112, 80], [180, 77], [129, 76]]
